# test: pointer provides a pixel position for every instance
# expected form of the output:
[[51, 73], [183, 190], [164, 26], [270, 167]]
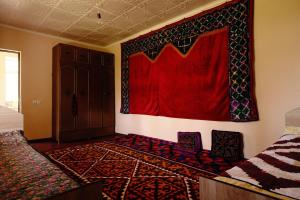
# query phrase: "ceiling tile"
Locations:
[[135, 29], [21, 13], [51, 3], [122, 35], [32, 8], [71, 36], [109, 30], [106, 41], [154, 21], [96, 36], [77, 7], [175, 11], [192, 4], [158, 6], [134, 2], [87, 23], [139, 15], [23, 23], [89, 40], [57, 25], [49, 31], [80, 32], [117, 7], [102, 42], [123, 22], [63, 17]]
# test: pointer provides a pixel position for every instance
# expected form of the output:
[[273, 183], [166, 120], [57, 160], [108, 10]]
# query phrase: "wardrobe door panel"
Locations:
[[96, 92], [96, 58], [108, 96], [83, 93], [82, 56], [108, 60], [67, 112], [67, 54]]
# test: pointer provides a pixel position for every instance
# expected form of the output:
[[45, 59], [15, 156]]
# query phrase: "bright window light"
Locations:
[[9, 79]]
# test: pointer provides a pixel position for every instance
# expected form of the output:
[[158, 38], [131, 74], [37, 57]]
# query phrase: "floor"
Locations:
[[50, 145]]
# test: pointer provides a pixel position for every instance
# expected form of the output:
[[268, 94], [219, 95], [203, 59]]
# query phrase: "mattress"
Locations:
[[26, 174], [10, 120], [275, 171], [292, 121]]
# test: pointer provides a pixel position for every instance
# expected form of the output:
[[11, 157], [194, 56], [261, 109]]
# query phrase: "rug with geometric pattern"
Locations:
[[126, 173]]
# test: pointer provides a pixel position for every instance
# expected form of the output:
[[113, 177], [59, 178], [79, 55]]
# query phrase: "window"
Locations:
[[9, 79]]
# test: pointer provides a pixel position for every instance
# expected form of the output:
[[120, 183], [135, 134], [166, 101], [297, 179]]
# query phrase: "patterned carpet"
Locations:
[[129, 173], [203, 159]]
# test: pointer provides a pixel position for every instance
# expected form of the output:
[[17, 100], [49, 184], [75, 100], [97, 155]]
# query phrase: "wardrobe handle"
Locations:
[[74, 105]]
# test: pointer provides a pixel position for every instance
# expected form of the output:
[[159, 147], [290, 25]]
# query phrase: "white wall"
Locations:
[[36, 76], [277, 71]]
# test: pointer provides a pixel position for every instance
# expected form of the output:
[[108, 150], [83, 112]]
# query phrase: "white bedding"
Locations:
[[10, 120], [292, 121]]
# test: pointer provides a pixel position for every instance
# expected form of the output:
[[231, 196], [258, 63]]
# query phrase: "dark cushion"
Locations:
[[190, 141], [227, 144]]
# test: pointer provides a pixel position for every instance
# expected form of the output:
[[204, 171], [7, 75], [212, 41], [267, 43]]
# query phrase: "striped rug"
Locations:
[[276, 169]]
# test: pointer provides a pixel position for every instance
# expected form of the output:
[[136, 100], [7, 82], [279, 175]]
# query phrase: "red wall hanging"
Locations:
[[198, 68]]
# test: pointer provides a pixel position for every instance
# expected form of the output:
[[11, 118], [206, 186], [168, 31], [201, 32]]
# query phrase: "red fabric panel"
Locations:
[[196, 86], [143, 85], [192, 86]]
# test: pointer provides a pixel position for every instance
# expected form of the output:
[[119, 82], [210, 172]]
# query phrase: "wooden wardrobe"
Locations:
[[83, 97]]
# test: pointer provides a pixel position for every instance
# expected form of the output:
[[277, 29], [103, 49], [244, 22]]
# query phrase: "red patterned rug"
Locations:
[[129, 174]]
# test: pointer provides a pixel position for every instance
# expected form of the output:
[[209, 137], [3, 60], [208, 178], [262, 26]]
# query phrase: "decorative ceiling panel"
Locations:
[[76, 7], [88, 23], [109, 30], [96, 36], [53, 24], [51, 3], [32, 8], [116, 7], [77, 19], [158, 7], [81, 32]]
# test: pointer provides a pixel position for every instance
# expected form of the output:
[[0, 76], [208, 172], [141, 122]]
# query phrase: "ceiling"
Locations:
[[77, 19]]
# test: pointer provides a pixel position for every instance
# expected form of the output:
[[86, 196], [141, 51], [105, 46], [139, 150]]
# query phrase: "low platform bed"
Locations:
[[26, 174], [272, 174], [214, 189]]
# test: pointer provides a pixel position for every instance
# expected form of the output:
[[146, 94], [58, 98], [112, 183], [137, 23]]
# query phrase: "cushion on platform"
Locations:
[[227, 144], [190, 141]]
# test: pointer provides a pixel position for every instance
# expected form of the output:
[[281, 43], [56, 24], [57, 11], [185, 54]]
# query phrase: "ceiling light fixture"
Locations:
[[99, 15]]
